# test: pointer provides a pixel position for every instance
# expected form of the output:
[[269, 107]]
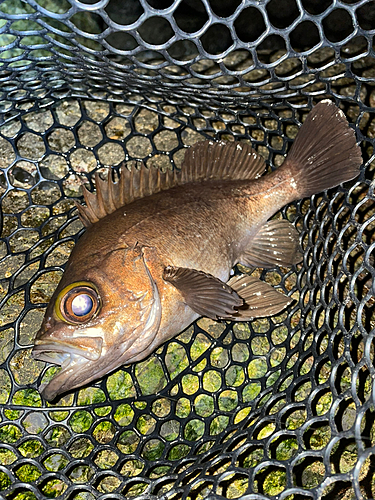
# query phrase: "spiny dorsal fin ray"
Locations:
[[206, 160], [209, 160]]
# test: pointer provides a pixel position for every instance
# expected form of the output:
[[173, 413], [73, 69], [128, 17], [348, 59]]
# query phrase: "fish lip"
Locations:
[[42, 347], [74, 373], [50, 390], [50, 356]]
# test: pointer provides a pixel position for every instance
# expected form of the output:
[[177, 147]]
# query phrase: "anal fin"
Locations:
[[275, 244], [260, 299]]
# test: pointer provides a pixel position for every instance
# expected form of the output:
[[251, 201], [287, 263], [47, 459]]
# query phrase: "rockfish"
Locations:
[[159, 248]]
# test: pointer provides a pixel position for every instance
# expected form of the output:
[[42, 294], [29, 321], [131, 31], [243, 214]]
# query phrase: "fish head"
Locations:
[[98, 318]]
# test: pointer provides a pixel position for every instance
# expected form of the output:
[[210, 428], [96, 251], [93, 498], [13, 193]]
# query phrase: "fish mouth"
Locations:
[[71, 364], [54, 357], [73, 359], [78, 367], [55, 351], [74, 362]]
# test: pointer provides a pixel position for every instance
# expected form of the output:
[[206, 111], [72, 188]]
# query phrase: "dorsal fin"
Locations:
[[206, 160], [209, 160], [132, 185]]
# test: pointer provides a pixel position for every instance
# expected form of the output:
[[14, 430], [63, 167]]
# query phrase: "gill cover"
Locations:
[[144, 294]]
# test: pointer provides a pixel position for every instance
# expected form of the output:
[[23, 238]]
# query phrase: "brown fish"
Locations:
[[159, 248]]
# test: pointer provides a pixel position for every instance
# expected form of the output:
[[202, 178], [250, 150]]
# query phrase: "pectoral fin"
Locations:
[[275, 244], [260, 298], [205, 294], [241, 299]]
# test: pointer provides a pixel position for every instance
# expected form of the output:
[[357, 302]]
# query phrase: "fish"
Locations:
[[159, 248]]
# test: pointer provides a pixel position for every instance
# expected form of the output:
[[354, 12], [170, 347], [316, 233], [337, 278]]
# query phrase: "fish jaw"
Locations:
[[87, 347], [71, 365], [76, 371], [78, 357], [80, 366]]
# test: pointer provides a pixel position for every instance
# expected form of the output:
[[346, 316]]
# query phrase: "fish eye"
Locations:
[[82, 304], [77, 303]]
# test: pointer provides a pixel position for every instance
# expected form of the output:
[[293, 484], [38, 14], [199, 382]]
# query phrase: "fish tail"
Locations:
[[324, 153]]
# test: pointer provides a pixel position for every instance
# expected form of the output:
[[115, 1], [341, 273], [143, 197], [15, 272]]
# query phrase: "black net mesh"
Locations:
[[280, 406]]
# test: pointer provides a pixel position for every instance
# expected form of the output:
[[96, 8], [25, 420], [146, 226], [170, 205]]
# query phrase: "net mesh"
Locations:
[[282, 406]]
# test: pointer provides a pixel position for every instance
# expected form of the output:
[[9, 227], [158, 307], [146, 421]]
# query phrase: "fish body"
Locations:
[[158, 250]]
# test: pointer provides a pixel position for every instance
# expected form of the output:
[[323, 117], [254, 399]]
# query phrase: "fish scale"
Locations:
[[160, 260]]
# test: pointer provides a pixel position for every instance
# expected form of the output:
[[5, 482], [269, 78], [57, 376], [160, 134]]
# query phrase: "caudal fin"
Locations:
[[324, 153]]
